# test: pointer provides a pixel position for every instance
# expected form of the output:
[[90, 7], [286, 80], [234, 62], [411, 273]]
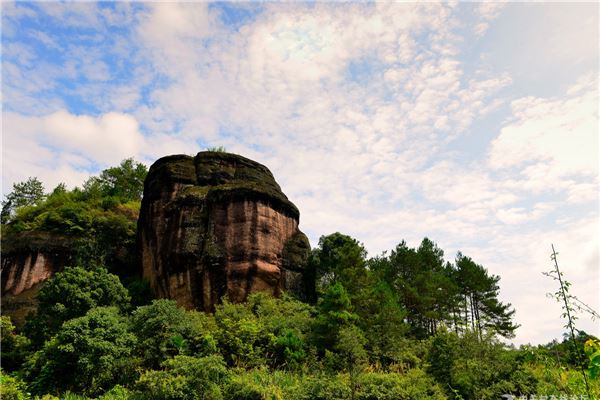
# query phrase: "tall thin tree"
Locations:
[[563, 296]]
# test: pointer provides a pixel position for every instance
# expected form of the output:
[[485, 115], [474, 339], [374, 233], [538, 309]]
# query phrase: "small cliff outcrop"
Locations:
[[218, 224], [31, 258], [28, 260]]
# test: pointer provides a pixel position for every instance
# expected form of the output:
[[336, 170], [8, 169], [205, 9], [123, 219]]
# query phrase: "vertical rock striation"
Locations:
[[218, 224], [31, 258], [28, 260]]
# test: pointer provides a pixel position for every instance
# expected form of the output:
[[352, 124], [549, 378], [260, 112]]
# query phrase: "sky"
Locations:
[[472, 124]]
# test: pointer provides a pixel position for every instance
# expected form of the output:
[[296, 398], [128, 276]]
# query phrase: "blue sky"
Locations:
[[474, 124]]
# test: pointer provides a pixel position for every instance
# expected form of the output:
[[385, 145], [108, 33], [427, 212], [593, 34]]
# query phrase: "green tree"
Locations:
[[89, 355], [26, 193], [479, 298], [59, 190], [125, 182], [165, 330], [422, 281], [263, 330], [441, 357], [471, 367], [382, 321], [70, 294], [242, 336], [340, 259], [351, 354], [287, 322], [14, 346], [334, 312]]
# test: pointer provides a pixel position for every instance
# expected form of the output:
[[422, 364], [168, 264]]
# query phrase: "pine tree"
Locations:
[[479, 300]]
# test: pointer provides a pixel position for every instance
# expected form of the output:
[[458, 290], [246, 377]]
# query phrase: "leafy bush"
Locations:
[[117, 392], [12, 388], [241, 336], [263, 331], [14, 346], [289, 349], [89, 355], [185, 378], [162, 385], [322, 387], [554, 380], [413, 385], [70, 294], [255, 385], [592, 350], [165, 330], [475, 368]]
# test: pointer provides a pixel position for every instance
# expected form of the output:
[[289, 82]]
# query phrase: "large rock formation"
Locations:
[[218, 224]]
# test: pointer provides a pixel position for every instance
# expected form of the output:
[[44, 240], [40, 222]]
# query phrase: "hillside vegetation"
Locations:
[[402, 325]]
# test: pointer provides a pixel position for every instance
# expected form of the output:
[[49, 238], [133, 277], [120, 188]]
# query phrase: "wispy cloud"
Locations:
[[487, 11]]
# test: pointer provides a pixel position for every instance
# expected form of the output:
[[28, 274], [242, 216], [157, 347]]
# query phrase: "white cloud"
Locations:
[[110, 137], [13, 9], [487, 11], [62, 147], [550, 140], [173, 33], [49, 166], [83, 14], [45, 39], [517, 215]]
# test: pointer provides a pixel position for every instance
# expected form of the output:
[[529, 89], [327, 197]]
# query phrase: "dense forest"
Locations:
[[405, 324]]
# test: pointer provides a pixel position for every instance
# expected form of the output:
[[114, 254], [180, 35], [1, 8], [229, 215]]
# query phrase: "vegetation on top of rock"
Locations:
[[125, 182], [217, 149], [97, 222], [217, 176], [26, 193]]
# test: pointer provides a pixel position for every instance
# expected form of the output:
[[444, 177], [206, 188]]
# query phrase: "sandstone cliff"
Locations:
[[31, 258], [28, 260], [218, 224]]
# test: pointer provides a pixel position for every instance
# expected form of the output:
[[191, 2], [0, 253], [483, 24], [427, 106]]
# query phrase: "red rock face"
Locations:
[[31, 258], [26, 270], [218, 224], [252, 236]]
